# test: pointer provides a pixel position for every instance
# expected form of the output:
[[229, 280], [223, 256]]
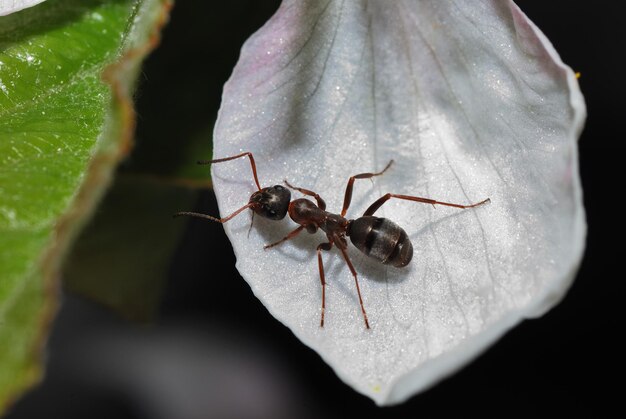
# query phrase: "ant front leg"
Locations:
[[320, 201], [379, 202], [348, 195]]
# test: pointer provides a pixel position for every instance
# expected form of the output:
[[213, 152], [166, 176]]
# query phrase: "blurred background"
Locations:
[[215, 352]]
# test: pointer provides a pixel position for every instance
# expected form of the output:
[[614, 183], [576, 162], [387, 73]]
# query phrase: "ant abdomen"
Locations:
[[381, 239]]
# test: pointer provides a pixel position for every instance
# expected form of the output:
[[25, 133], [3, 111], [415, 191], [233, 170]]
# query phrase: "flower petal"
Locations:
[[471, 102]]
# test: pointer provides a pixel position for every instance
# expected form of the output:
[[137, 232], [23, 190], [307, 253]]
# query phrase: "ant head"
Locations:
[[271, 202]]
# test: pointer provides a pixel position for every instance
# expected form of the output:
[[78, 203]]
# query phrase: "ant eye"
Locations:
[[278, 188]]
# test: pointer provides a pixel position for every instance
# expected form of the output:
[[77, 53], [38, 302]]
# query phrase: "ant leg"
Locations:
[[247, 153], [289, 236], [208, 217], [356, 281], [378, 203], [348, 195], [323, 246], [320, 201]]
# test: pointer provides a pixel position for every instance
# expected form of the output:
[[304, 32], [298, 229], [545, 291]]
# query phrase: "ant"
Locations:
[[378, 238]]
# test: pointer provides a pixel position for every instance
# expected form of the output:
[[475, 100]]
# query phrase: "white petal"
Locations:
[[11, 6], [471, 101]]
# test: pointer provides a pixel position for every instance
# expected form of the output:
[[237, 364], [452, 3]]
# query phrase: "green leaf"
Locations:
[[67, 69]]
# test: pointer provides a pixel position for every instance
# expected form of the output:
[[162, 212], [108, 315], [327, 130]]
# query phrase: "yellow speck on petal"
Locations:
[[376, 389], [577, 74]]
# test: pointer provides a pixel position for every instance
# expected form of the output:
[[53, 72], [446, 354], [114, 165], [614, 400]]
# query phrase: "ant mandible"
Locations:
[[378, 238]]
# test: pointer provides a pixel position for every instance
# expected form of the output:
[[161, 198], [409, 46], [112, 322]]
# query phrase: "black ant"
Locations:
[[379, 238]]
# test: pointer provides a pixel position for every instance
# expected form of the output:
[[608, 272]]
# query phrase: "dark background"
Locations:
[[563, 363]]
